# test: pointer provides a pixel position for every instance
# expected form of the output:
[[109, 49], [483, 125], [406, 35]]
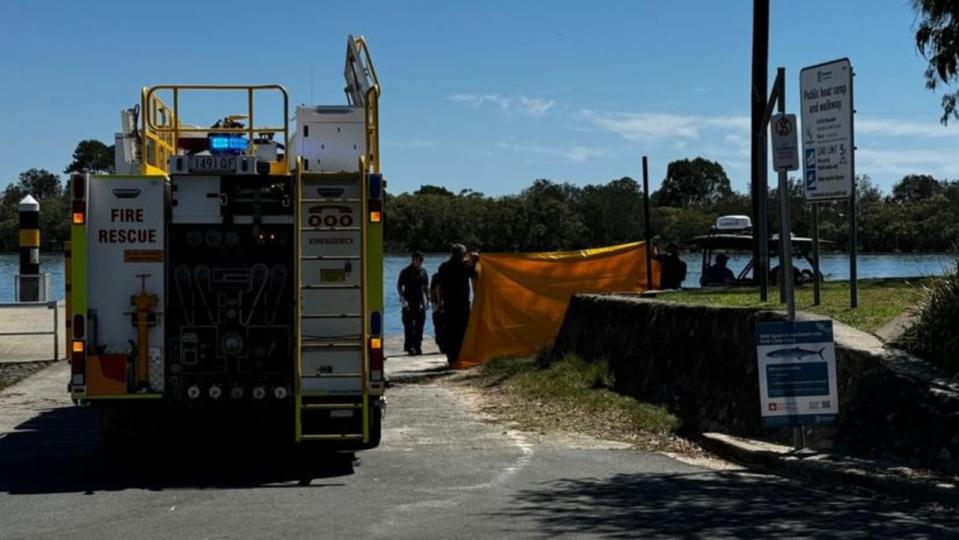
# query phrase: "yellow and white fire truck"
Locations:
[[237, 269]]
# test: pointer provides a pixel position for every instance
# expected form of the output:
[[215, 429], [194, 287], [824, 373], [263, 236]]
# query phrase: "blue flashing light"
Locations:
[[224, 143]]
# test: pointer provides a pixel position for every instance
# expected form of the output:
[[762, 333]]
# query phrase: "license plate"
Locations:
[[212, 163], [333, 275]]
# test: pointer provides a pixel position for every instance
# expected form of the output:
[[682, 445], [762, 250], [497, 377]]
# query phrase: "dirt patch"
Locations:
[[14, 372], [501, 402]]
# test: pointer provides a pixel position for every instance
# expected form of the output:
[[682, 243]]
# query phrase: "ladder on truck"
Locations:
[[339, 307], [332, 364]]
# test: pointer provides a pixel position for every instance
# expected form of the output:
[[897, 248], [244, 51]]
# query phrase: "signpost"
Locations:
[[785, 147], [785, 158], [829, 146], [797, 373]]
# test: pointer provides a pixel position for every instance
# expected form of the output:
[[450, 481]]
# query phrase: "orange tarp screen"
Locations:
[[520, 299]]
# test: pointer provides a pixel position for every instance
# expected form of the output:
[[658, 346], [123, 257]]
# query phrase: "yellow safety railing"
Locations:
[[368, 162], [372, 110], [156, 147], [162, 124]]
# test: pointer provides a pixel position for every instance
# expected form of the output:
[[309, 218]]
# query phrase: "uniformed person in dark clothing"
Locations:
[[672, 269], [413, 287], [454, 294], [439, 320]]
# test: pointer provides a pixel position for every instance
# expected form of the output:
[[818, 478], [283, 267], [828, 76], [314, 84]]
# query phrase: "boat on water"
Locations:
[[735, 234]]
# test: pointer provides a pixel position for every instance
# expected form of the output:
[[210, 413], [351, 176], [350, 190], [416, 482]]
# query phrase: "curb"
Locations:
[[15, 372], [832, 469]]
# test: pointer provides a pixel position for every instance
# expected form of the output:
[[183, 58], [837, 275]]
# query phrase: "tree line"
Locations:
[[53, 194], [920, 214]]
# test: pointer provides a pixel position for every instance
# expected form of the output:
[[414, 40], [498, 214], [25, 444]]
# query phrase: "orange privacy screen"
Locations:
[[520, 299]]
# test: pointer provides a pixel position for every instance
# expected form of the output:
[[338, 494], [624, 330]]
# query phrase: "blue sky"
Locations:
[[483, 95]]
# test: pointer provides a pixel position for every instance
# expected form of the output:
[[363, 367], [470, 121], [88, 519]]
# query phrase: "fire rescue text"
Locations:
[[129, 235]]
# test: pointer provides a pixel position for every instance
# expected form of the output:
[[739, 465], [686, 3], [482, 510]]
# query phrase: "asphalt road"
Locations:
[[443, 471]]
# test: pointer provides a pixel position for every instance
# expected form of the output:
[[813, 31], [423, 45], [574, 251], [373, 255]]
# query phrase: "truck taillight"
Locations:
[[376, 210], [79, 212], [376, 358], [78, 363], [375, 195], [78, 188]]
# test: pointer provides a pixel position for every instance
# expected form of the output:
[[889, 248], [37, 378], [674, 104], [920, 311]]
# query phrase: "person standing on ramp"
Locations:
[[413, 288], [454, 294]]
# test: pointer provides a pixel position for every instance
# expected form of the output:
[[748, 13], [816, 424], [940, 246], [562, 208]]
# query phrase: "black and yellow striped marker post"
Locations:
[[29, 247]]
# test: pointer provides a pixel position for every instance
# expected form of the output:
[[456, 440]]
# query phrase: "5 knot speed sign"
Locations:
[[784, 142]]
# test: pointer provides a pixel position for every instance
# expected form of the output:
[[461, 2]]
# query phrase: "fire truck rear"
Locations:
[[236, 270]]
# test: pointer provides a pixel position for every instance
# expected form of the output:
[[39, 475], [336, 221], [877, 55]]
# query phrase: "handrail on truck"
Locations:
[[161, 121], [156, 146]]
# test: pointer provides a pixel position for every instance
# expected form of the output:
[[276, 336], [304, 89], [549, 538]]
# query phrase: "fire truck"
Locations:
[[235, 270]]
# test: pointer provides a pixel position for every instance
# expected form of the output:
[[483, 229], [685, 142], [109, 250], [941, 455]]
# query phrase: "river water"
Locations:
[[835, 267]]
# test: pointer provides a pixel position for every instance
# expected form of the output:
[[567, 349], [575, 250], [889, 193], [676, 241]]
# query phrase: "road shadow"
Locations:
[[719, 505], [60, 451]]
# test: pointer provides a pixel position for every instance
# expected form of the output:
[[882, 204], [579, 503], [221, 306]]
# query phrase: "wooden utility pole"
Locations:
[[758, 181]]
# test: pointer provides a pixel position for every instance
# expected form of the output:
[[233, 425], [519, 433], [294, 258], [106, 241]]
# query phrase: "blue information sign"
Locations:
[[797, 373]]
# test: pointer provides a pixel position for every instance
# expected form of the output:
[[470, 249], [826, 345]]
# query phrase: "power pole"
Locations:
[[758, 181], [647, 228]]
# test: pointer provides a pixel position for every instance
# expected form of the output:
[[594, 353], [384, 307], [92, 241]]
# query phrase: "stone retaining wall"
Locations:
[[700, 361]]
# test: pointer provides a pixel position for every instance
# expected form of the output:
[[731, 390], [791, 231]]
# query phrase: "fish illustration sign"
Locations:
[[797, 373]]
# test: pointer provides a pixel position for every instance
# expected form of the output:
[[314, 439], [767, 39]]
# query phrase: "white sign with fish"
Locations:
[[797, 373]]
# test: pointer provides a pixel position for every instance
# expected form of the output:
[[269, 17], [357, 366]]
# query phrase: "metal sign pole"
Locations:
[[786, 266], [853, 223], [816, 287], [646, 226], [785, 245], [785, 158], [785, 235], [783, 231], [853, 248]]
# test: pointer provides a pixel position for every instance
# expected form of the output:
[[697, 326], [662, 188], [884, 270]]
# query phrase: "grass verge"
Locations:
[[575, 396], [880, 301]]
